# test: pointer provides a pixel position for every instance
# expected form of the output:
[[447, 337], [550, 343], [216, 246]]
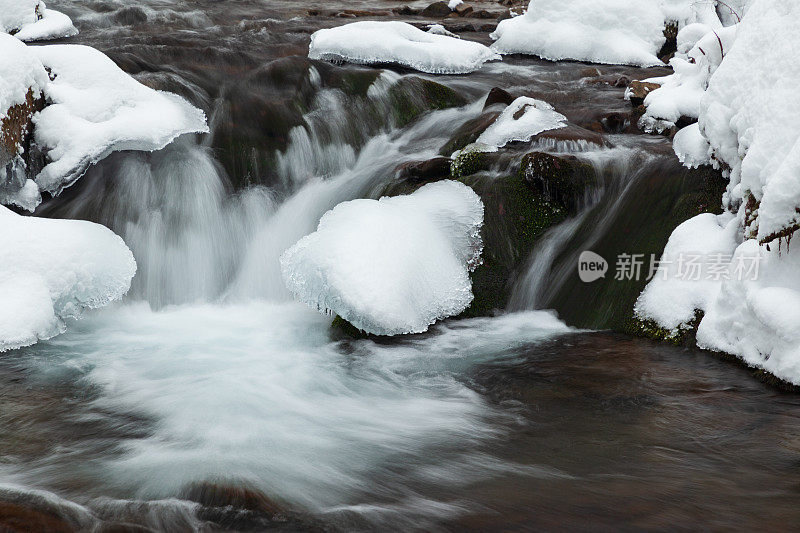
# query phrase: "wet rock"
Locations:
[[19, 160], [239, 496], [19, 518], [463, 10], [639, 91], [498, 96], [432, 169], [515, 216], [122, 527], [562, 179], [612, 123], [571, 134], [130, 16], [469, 132], [412, 96], [436, 10], [405, 10]]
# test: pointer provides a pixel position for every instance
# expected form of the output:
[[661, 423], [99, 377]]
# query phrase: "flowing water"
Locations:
[[209, 375]]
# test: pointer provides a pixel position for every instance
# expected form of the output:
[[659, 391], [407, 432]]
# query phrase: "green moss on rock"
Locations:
[[412, 96]]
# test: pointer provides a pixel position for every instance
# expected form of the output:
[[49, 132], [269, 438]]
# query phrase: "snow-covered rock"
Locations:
[[600, 31], [369, 42], [680, 93], [22, 79], [520, 121], [691, 147], [95, 108], [51, 270], [31, 20], [394, 265]]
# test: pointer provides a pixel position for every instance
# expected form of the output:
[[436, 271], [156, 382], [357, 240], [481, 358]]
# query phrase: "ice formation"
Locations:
[[750, 120], [31, 20], [520, 120], [394, 265], [371, 42], [600, 31], [96, 109], [51, 270]]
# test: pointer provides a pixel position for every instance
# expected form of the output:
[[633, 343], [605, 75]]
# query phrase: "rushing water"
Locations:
[[210, 373]]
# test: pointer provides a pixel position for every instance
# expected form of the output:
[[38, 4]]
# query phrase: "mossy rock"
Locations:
[[645, 213], [515, 216], [412, 96], [683, 336], [469, 161], [564, 179]]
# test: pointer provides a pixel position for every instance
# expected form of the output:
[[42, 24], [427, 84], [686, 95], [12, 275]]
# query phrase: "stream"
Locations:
[[208, 398]]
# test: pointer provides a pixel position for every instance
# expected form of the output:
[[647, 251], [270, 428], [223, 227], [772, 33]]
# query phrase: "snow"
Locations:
[[53, 25], [51, 270], [751, 117], [97, 109], [677, 290], [749, 121], [20, 71], [438, 29], [759, 319], [394, 265], [691, 147], [600, 31], [371, 42], [520, 120], [452, 4], [680, 94], [30, 20]]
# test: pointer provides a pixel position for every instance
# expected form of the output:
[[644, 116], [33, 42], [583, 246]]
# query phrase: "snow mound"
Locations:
[[691, 147], [53, 269], [751, 118], [600, 31], [370, 42], [520, 121], [686, 281], [30, 20], [394, 265], [96, 109], [759, 319]]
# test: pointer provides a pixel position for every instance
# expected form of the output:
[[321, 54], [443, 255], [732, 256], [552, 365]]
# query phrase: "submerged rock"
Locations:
[[563, 179]]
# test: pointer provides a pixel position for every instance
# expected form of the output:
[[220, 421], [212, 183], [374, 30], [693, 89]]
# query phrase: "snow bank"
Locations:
[[394, 265], [749, 120], [30, 20], [751, 117], [96, 109], [397, 42], [53, 269], [759, 319], [600, 31]]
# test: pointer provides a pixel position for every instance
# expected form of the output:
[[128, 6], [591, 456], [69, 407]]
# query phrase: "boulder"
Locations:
[[498, 96], [436, 10], [639, 90], [420, 171], [563, 179], [469, 132]]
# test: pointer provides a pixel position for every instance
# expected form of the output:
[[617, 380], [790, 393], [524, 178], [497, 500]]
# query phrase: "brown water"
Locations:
[[248, 416]]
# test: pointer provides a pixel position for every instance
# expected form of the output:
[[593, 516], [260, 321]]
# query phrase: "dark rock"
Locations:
[[571, 133], [412, 96], [671, 44], [236, 496], [463, 10], [19, 518], [640, 90], [612, 123], [436, 10], [562, 179], [469, 132], [484, 14], [498, 96], [405, 10], [432, 169]]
